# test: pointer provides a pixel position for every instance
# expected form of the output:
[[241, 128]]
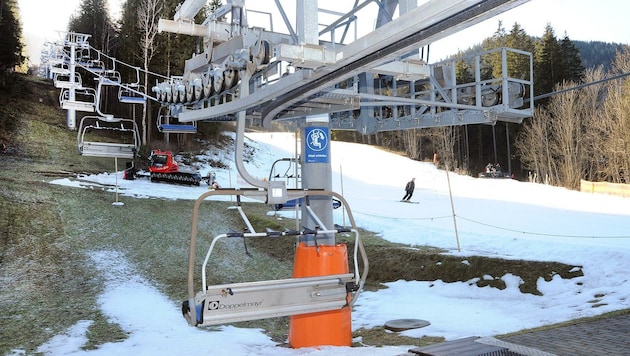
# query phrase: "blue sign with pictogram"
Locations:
[[317, 144]]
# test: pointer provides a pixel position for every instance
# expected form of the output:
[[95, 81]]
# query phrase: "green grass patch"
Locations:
[[379, 337], [103, 331]]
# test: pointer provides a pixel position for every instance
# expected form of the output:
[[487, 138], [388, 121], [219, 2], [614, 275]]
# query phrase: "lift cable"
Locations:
[[543, 96]]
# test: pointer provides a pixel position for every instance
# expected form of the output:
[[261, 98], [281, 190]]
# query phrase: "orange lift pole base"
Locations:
[[328, 328]]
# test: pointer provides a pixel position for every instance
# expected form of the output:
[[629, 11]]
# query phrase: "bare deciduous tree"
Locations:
[[411, 142], [566, 144], [148, 16], [443, 139], [594, 125], [617, 118], [533, 146], [567, 140]]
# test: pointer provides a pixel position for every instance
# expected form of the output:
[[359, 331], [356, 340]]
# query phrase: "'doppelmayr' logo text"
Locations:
[[217, 305]]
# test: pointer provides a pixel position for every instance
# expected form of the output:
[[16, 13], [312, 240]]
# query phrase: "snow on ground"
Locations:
[[497, 218]]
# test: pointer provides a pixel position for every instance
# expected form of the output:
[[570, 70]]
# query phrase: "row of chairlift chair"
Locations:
[[87, 100]]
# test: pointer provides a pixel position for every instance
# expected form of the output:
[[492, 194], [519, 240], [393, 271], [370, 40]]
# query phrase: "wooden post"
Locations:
[[450, 193]]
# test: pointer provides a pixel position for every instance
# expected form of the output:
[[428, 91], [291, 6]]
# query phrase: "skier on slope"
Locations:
[[409, 188]]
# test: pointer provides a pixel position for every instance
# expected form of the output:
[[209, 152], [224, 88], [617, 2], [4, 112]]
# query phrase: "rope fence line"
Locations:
[[496, 226], [399, 218], [544, 234]]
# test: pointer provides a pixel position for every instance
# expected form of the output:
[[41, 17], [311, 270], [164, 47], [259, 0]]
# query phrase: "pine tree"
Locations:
[[93, 19], [572, 63], [129, 34], [464, 71], [11, 40], [518, 65], [547, 63], [492, 63], [214, 4]]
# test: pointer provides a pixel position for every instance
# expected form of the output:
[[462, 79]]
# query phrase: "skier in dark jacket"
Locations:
[[409, 188]]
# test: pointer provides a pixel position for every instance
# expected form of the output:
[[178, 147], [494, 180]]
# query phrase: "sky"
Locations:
[[42, 19], [583, 20], [499, 218]]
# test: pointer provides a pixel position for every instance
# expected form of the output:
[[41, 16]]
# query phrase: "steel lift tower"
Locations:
[[325, 76]]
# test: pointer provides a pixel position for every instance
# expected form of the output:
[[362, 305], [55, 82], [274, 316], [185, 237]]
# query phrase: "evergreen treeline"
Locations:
[[593, 148], [596, 53], [10, 57], [11, 40]]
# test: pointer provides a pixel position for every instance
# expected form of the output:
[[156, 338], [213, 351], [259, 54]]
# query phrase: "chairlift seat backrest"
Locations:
[[84, 106], [177, 128], [236, 302], [164, 126], [110, 77], [84, 100], [130, 94], [106, 149], [66, 81]]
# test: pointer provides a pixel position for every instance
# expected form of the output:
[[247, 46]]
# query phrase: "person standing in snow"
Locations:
[[409, 188]]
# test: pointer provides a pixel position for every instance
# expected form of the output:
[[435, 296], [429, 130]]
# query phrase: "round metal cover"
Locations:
[[405, 324]]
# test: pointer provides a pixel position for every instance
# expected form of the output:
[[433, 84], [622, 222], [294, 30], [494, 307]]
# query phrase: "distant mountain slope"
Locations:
[[595, 53]]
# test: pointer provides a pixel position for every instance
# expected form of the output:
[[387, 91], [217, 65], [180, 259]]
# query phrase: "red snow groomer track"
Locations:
[[164, 168]]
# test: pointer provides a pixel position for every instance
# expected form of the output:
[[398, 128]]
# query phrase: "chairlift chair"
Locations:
[[110, 77], [67, 81], [127, 147], [164, 124], [216, 304], [95, 66], [134, 92], [84, 100], [59, 68], [83, 56], [131, 94], [56, 55]]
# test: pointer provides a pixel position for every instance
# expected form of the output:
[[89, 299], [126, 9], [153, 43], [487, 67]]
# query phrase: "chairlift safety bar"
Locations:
[[272, 234]]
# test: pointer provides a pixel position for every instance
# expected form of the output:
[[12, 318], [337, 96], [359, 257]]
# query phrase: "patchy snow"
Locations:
[[496, 218]]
